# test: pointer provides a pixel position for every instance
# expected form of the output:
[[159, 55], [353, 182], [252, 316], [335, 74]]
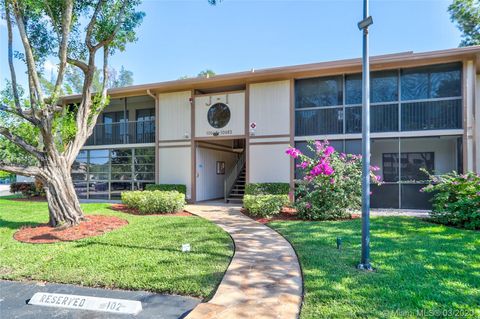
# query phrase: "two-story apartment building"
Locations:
[[213, 134]]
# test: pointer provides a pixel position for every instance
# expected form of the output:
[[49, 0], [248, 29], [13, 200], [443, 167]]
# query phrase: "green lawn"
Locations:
[[420, 266], [145, 254]]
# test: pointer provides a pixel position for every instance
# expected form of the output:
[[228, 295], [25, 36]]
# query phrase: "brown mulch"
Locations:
[[286, 214], [124, 209], [94, 225]]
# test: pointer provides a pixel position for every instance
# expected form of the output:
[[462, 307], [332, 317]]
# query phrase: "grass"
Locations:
[[420, 267], [144, 255]]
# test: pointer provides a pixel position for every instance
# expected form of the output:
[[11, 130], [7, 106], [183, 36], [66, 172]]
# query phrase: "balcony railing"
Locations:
[[123, 133]]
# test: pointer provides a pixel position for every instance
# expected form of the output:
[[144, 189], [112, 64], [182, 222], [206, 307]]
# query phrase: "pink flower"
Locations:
[[319, 146], [303, 165], [308, 205], [293, 152], [378, 178], [332, 181], [374, 168], [328, 151]]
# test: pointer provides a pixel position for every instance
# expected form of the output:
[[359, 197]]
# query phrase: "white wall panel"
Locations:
[[477, 125], [209, 184], [236, 104], [270, 107], [269, 163], [175, 114], [175, 166]]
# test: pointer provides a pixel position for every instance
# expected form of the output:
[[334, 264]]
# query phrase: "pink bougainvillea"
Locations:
[[330, 187], [293, 152]]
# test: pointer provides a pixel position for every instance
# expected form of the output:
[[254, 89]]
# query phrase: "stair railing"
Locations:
[[232, 175]]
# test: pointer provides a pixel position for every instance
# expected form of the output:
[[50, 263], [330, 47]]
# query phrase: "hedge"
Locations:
[[167, 187], [28, 189], [150, 202], [264, 205], [267, 189]]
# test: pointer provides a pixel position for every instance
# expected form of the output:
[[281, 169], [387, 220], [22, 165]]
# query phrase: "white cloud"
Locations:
[[49, 67]]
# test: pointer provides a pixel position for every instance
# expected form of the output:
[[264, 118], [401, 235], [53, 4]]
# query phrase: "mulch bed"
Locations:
[[124, 209], [94, 225], [286, 214]]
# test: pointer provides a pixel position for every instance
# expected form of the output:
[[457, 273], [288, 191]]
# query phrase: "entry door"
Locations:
[[201, 174]]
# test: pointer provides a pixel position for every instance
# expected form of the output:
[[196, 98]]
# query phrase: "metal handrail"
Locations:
[[123, 133], [232, 175]]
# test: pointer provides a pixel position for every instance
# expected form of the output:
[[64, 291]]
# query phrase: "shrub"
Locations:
[[456, 199], [150, 202], [264, 205], [167, 187], [331, 187], [28, 189], [267, 189]]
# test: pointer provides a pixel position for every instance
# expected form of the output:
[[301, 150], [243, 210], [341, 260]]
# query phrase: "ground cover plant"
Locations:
[[143, 255], [423, 269], [456, 199]]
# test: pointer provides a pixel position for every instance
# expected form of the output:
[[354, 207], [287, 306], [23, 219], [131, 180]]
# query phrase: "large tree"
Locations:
[[466, 14], [35, 122]]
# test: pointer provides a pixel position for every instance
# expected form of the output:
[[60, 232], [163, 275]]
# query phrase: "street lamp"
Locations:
[[363, 25]]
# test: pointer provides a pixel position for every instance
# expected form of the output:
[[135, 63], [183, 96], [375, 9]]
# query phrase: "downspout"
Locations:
[[157, 122]]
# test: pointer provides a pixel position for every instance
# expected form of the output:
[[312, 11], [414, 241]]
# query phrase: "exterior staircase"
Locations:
[[235, 182], [238, 190]]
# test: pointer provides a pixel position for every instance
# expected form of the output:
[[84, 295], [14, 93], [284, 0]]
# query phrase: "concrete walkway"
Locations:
[[264, 278]]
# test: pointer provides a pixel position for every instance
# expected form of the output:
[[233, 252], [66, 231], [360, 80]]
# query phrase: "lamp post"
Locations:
[[363, 25]]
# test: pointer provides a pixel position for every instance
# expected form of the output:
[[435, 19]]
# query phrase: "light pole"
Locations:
[[363, 25]]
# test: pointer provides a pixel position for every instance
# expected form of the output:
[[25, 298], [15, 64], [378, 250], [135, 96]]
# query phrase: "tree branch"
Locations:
[[121, 17], [79, 64], [13, 74], [32, 68], [62, 51], [20, 170], [17, 140], [91, 24]]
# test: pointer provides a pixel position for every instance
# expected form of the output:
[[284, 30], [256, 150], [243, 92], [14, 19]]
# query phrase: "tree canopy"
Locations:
[[466, 14]]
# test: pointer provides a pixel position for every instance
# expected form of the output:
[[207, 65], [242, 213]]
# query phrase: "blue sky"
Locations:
[[184, 37]]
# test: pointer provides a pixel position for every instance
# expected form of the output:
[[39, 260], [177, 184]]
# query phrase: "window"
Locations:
[[411, 164], [107, 173], [218, 115], [145, 126], [319, 121], [318, 92], [383, 87], [438, 81]]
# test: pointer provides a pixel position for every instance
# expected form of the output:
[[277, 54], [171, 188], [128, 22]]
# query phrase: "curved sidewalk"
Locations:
[[264, 278]]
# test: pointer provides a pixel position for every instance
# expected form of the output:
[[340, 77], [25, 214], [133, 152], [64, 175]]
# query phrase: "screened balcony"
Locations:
[[413, 99], [123, 133]]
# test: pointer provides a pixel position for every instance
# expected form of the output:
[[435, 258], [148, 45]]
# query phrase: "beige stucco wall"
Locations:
[[269, 163], [236, 104], [270, 108], [174, 116], [175, 166], [477, 124]]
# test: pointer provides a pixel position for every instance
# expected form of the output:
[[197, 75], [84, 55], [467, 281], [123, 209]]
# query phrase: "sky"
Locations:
[[179, 38]]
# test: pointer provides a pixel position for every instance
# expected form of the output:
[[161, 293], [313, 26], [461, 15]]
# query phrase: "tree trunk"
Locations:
[[63, 205]]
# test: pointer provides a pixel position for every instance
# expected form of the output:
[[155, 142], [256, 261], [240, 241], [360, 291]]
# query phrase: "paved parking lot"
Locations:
[[15, 295]]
